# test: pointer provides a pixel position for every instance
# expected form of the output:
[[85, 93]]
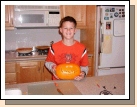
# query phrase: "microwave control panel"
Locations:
[[54, 18]]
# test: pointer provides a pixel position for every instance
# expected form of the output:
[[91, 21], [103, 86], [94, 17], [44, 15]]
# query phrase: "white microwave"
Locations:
[[36, 16]]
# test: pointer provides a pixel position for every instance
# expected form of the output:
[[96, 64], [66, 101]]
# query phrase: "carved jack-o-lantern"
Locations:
[[67, 71]]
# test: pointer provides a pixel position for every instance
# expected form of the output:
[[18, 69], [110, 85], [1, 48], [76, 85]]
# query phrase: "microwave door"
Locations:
[[31, 19]]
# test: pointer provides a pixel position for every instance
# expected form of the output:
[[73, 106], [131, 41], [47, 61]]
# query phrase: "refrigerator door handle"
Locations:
[[100, 39]]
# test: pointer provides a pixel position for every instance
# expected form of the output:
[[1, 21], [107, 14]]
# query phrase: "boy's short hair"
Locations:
[[68, 18]]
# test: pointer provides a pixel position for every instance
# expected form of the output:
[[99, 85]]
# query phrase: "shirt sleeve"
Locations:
[[84, 59], [50, 56], [49, 65], [50, 62], [84, 62], [84, 69]]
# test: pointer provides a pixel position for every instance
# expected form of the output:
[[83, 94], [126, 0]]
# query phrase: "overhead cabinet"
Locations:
[[76, 11], [9, 15]]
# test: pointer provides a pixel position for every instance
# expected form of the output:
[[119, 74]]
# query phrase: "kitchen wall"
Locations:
[[32, 37]]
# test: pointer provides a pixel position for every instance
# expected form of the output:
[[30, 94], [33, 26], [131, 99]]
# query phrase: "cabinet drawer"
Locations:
[[10, 67], [10, 77], [28, 63]]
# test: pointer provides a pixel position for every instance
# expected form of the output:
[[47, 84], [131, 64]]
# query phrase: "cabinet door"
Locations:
[[90, 72], [9, 17], [46, 74], [10, 73], [28, 71], [76, 11]]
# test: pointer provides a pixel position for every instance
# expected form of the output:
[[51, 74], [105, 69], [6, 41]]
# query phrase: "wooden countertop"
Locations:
[[98, 85]]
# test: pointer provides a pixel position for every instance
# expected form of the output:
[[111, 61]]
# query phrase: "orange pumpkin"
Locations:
[[67, 71]]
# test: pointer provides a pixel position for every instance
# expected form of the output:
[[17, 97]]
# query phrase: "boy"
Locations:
[[67, 49]]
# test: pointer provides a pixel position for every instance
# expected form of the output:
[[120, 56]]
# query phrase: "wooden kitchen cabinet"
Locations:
[[28, 71], [87, 36], [9, 14], [46, 74], [76, 11], [90, 72], [10, 73]]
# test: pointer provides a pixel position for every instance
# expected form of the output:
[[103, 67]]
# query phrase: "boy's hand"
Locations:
[[81, 76]]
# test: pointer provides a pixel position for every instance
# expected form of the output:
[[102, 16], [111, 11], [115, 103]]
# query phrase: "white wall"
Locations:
[[32, 37]]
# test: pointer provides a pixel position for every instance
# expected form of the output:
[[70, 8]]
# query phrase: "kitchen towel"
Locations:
[[107, 44]]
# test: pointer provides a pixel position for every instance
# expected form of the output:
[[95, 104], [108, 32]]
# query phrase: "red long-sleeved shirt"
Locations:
[[60, 53]]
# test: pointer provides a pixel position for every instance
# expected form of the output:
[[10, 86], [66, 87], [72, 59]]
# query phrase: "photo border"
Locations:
[[132, 68]]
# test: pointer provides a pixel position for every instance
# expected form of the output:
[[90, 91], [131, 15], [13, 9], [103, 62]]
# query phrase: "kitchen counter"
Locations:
[[98, 85], [12, 56]]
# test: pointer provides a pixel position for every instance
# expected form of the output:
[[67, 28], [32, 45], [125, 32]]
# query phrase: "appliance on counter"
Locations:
[[25, 54], [110, 40], [42, 50], [39, 52], [35, 51], [36, 16]]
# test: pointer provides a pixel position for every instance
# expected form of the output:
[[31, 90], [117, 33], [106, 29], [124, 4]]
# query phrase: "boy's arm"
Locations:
[[84, 62], [50, 62], [50, 66], [84, 69]]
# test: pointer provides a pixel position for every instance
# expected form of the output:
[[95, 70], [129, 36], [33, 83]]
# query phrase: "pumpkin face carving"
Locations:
[[67, 71]]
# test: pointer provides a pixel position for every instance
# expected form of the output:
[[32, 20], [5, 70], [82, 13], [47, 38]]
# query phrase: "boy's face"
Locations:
[[68, 30]]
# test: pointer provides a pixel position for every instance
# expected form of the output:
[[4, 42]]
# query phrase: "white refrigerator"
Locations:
[[110, 40]]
